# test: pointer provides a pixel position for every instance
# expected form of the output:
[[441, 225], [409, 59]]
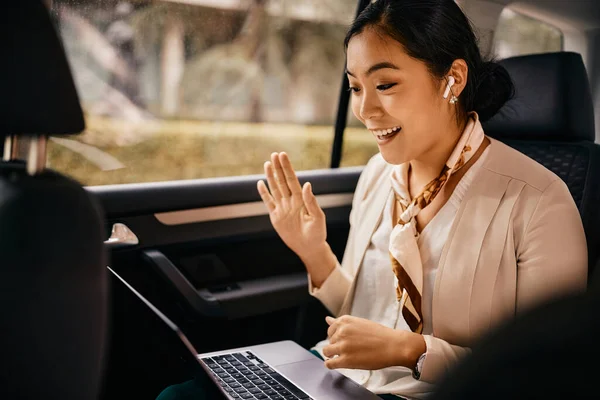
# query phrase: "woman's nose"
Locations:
[[370, 107]]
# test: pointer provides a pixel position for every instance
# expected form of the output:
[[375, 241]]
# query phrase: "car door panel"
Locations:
[[209, 258]]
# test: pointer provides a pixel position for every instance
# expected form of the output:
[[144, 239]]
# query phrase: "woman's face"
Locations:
[[392, 92]]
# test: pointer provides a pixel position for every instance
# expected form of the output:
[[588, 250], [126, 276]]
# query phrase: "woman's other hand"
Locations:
[[358, 343], [297, 217]]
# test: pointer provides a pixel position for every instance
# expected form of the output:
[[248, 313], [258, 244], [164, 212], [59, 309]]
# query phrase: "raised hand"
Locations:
[[297, 217], [293, 209]]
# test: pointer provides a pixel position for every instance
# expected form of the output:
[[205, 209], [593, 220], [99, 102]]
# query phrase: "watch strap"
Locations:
[[419, 367]]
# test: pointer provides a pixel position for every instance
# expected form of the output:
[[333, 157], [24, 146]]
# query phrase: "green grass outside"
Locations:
[[163, 150]]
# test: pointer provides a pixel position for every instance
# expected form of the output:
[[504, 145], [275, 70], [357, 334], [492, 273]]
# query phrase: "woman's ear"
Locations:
[[460, 71]]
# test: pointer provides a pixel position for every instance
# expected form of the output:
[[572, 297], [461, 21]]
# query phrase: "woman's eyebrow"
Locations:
[[376, 67]]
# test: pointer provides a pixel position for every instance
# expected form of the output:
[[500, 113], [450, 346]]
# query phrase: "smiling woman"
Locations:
[[427, 267], [451, 232], [412, 81]]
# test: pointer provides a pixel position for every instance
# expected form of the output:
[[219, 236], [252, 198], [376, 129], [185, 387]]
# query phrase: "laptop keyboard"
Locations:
[[245, 376]]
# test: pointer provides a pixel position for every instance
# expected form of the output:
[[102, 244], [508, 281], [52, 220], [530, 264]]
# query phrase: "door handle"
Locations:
[[202, 301], [121, 236]]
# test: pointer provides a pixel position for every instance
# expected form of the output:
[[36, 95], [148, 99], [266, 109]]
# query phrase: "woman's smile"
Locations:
[[385, 135]]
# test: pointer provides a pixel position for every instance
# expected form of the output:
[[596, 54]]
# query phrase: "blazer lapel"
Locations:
[[482, 309], [455, 302], [458, 262]]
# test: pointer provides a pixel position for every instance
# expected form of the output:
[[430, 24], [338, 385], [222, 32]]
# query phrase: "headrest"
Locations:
[[38, 94], [553, 100]]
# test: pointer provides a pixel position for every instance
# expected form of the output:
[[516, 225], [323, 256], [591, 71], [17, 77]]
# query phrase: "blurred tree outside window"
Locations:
[[517, 34], [186, 89]]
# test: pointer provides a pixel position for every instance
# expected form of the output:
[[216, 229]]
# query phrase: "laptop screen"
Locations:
[[162, 316]]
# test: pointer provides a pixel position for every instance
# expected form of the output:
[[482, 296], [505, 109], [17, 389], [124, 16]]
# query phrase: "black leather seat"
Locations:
[[53, 283], [551, 119]]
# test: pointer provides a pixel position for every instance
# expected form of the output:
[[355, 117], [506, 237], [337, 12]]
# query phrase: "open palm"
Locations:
[[293, 209]]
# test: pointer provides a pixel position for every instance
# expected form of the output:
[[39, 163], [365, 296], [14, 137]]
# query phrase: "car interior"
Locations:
[[203, 250]]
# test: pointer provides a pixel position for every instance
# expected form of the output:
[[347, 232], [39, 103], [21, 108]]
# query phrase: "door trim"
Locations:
[[241, 210]]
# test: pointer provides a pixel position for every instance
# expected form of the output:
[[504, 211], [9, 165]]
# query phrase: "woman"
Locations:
[[451, 231]]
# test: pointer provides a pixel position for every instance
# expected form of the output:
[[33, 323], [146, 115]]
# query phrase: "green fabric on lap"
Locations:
[[316, 353], [200, 387]]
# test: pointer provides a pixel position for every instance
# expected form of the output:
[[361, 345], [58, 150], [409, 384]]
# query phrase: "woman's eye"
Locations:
[[386, 86], [354, 89]]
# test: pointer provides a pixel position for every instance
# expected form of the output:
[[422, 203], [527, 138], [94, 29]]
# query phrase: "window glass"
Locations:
[[200, 88], [359, 143], [517, 34]]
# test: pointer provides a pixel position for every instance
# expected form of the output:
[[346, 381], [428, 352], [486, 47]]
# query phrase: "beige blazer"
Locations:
[[517, 240]]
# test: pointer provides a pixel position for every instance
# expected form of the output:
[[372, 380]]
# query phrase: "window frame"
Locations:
[[342, 112]]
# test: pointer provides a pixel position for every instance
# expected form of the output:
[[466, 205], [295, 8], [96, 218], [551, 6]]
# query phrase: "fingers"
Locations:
[[289, 174], [266, 196], [280, 176], [339, 327], [332, 350], [269, 172], [333, 328], [310, 201], [337, 362]]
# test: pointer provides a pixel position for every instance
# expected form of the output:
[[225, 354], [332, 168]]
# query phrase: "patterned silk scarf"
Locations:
[[404, 250]]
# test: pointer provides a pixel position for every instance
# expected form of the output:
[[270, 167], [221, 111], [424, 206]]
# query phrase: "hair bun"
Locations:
[[493, 89]]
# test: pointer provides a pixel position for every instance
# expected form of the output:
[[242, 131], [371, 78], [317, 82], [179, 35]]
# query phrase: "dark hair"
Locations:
[[437, 32]]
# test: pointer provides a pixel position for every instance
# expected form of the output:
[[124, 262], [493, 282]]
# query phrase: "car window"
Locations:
[[359, 144], [204, 88], [517, 34]]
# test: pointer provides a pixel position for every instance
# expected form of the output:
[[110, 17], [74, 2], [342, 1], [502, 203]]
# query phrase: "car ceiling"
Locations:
[[583, 14]]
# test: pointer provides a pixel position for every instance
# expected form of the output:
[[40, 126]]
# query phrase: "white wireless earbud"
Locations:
[[448, 86]]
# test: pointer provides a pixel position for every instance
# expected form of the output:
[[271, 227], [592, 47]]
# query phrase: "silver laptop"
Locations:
[[274, 371]]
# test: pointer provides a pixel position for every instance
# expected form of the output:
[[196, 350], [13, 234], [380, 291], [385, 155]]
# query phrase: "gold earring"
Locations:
[[453, 99]]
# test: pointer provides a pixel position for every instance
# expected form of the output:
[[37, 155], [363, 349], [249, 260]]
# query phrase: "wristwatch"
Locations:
[[419, 367]]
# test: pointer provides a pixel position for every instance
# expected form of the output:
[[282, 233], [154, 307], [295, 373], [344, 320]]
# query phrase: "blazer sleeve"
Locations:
[[439, 358], [335, 288], [551, 262], [552, 259]]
